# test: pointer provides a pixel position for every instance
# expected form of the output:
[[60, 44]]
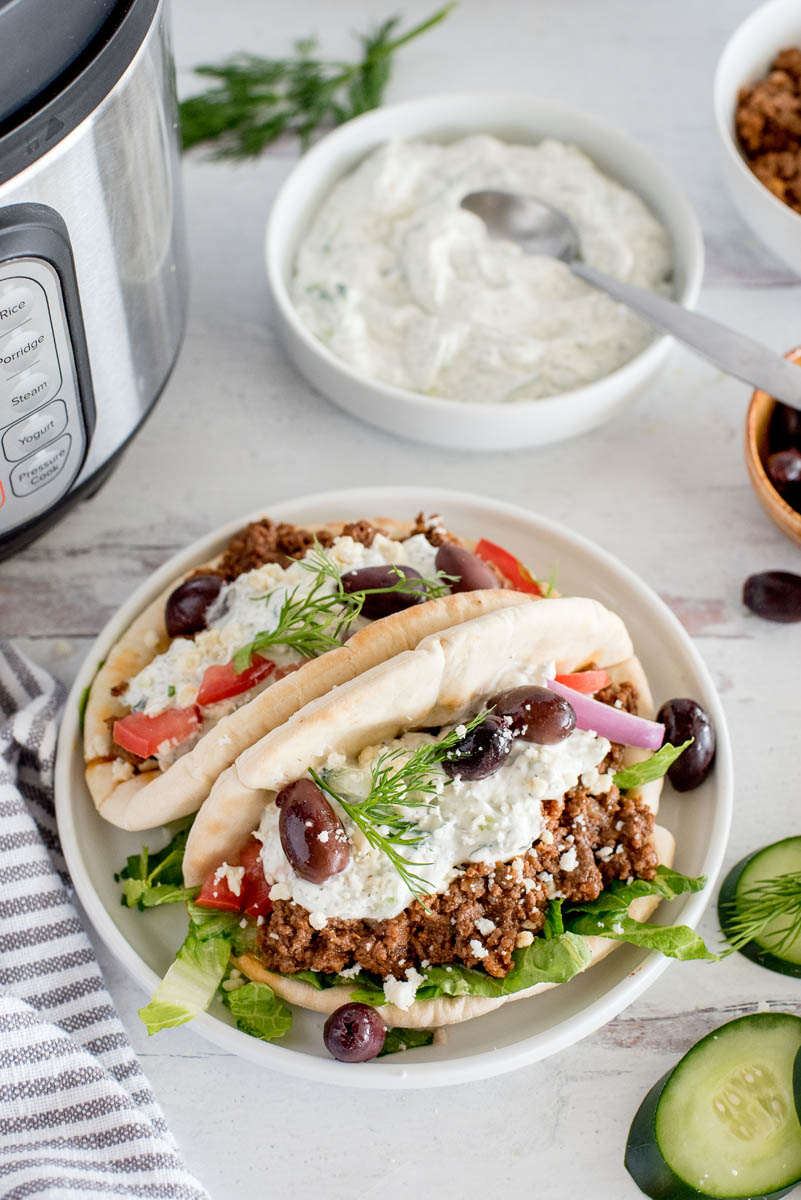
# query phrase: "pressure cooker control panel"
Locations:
[[46, 404]]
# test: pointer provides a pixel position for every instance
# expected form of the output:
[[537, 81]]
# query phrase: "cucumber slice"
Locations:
[[769, 949], [724, 1123]]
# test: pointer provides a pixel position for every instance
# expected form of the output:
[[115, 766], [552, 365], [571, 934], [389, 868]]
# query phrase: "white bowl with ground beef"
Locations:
[[412, 336], [747, 59], [519, 1033]]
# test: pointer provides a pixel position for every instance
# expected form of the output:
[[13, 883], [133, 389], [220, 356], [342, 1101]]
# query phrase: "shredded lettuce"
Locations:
[[405, 1039], [651, 768], [608, 916], [149, 880], [190, 983], [258, 1011]]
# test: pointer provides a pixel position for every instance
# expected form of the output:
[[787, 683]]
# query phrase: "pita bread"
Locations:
[[155, 797], [432, 684], [445, 1010]]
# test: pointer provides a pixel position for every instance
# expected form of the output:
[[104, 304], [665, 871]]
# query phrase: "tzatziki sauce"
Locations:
[[408, 289]]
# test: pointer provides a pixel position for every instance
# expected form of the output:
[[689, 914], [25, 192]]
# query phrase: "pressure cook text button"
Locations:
[[25, 392], [21, 349], [41, 467], [39, 429], [17, 299]]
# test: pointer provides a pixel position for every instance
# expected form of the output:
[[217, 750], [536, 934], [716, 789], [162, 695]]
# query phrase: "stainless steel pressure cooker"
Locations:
[[92, 254]]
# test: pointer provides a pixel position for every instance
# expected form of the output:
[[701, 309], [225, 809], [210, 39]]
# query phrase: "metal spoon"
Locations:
[[540, 229]]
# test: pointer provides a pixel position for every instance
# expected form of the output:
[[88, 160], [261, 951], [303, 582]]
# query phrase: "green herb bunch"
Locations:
[[256, 100], [400, 781], [772, 904], [318, 620]]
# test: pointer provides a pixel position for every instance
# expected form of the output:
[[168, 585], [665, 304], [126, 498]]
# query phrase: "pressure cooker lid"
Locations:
[[38, 48]]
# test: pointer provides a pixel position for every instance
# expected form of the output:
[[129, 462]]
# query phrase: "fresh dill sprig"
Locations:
[[255, 100], [316, 621], [397, 782], [758, 907]]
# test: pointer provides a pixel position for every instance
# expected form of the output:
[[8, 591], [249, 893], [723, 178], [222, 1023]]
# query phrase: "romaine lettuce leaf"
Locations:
[[190, 983], [651, 768], [607, 916], [405, 1039], [149, 879], [259, 1012]]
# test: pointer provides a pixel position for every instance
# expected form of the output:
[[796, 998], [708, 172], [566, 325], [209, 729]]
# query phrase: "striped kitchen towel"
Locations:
[[77, 1115]]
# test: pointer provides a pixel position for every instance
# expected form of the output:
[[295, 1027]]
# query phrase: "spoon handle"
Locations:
[[733, 352]]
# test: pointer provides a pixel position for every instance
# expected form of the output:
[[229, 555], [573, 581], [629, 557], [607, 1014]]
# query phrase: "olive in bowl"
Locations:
[[772, 434]]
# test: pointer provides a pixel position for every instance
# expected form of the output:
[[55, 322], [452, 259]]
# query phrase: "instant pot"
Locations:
[[92, 253]]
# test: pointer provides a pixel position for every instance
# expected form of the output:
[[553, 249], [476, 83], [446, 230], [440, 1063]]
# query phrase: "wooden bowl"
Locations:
[[757, 426]]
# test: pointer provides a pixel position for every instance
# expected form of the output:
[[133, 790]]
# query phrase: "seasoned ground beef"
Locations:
[[263, 542], [596, 838], [768, 121]]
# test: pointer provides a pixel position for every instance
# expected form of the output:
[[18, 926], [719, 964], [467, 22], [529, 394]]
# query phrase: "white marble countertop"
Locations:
[[663, 487]]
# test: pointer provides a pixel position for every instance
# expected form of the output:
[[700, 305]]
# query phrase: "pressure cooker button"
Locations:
[[22, 349], [38, 430], [17, 299], [26, 391], [40, 468]]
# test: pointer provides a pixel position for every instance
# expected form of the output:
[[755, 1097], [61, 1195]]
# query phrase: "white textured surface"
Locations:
[[663, 487]]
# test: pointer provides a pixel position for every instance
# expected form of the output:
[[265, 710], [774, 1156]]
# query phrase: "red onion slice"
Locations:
[[607, 721]]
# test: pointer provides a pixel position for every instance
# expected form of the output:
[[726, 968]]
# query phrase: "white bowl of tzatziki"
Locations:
[[394, 302]]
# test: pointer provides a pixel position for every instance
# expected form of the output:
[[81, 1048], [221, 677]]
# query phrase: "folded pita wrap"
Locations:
[[441, 681], [154, 797]]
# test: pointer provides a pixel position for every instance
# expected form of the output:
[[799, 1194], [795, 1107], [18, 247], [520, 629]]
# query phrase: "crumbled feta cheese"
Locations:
[[121, 770], [235, 980], [569, 860], [259, 919], [618, 825], [351, 972], [485, 926], [401, 992], [546, 837], [243, 924], [460, 730], [318, 920], [523, 939], [322, 836], [477, 949], [280, 891], [604, 854], [232, 875], [617, 928], [528, 884]]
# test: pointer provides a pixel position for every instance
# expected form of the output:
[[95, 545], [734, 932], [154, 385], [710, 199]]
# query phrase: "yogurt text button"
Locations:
[[38, 430]]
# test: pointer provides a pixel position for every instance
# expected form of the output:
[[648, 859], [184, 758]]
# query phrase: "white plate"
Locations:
[[518, 1033]]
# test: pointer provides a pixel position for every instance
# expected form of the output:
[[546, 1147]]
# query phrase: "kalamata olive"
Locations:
[[774, 595], [482, 751], [384, 603], [185, 613], [685, 719], [469, 572], [354, 1033], [312, 835], [785, 427], [535, 714], [784, 467]]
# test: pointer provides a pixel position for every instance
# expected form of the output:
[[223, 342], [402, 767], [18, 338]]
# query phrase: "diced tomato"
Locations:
[[220, 683], [518, 575], [587, 682], [143, 735], [216, 893], [254, 891], [255, 888], [280, 672]]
